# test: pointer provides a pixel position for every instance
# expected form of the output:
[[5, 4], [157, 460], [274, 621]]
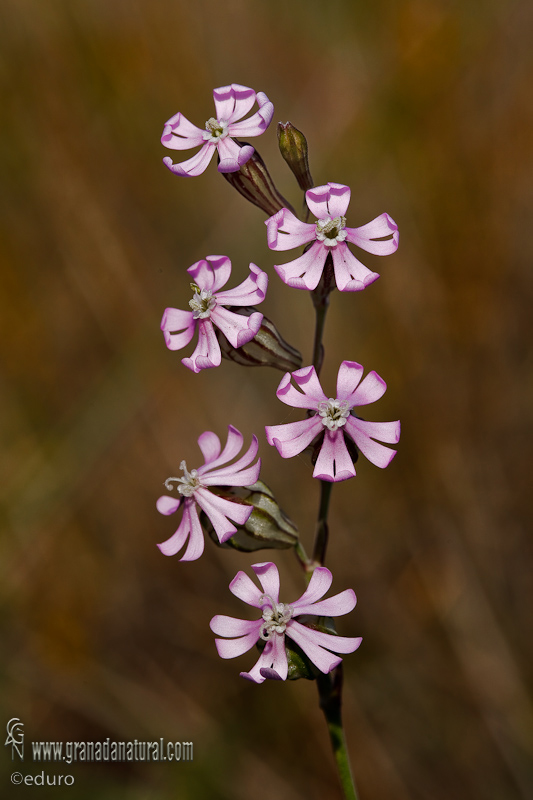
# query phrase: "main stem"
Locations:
[[330, 694], [330, 685]]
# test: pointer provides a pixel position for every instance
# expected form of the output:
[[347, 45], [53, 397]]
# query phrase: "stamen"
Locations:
[[202, 302], [275, 618], [215, 130], [334, 413], [189, 483], [331, 231]]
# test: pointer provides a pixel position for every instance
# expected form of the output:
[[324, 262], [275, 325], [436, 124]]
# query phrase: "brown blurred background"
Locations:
[[424, 108]]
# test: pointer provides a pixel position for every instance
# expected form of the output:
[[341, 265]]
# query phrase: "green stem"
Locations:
[[303, 558], [320, 298], [330, 694], [322, 528]]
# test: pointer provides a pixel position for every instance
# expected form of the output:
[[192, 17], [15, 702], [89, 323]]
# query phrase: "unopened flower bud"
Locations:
[[293, 148], [253, 181], [267, 527], [267, 349]]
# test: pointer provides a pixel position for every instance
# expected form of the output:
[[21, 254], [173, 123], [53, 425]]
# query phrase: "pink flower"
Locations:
[[329, 234], [208, 306], [279, 620], [231, 104], [334, 419], [193, 488]]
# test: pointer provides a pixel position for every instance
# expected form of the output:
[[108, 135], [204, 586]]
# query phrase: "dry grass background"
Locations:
[[425, 109]]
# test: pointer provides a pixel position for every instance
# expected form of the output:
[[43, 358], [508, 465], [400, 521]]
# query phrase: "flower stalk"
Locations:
[[330, 698]]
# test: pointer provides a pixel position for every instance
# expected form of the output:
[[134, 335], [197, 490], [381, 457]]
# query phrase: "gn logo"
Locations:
[[15, 737]]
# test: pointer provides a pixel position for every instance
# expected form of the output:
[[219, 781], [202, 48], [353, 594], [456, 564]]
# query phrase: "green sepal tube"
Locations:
[[267, 527], [268, 348]]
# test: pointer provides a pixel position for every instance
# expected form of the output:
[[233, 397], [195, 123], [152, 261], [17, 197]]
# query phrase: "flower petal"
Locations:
[[307, 380], [335, 606], [188, 527], [334, 462], [377, 453], [174, 319], [273, 656], [226, 475], [251, 291], [211, 273], [180, 134], [285, 231], [319, 584], [372, 388], [245, 589], [210, 446], [232, 156], [291, 438], [232, 447], [194, 166], [312, 643], [207, 352], [195, 547], [330, 200], [257, 123], [304, 272], [237, 328], [231, 648], [348, 379], [268, 574], [379, 227], [350, 274], [219, 510], [231, 626], [168, 505], [233, 102]]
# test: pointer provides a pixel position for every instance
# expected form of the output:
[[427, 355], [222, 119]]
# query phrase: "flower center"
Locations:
[[275, 618], [215, 130], [334, 413], [202, 302], [331, 231], [188, 484]]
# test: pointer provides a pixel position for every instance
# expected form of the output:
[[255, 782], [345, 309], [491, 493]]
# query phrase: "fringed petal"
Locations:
[[268, 575], [304, 272], [251, 291], [232, 156], [377, 453], [243, 587], [180, 134], [330, 200], [335, 606], [257, 123], [350, 274], [237, 328], [380, 227], [207, 353], [285, 231], [210, 446], [348, 379], [233, 102], [193, 166], [320, 582], [211, 273], [334, 462], [293, 437], [175, 319], [372, 388], [168, 505]]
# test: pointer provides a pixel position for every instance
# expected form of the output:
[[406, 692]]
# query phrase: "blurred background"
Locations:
[[424, 107]]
